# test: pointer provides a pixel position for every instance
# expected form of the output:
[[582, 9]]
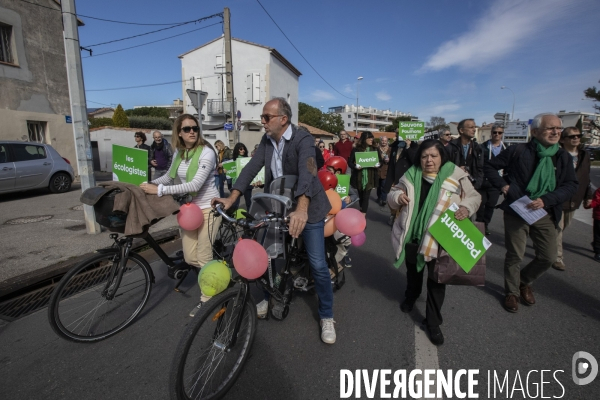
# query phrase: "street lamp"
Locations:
[[513, 93], [357, 86]]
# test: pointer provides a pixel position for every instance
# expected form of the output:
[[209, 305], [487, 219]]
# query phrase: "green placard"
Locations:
[[366, 158], [230, 169], [412, 130], [343, 186], [461, 239], [241, 163], [129, 164]]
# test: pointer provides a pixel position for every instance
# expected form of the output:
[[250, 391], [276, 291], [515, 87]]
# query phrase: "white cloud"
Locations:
[[321, 95], [348, 89], [383, 96], [505, 27], [438, 109]]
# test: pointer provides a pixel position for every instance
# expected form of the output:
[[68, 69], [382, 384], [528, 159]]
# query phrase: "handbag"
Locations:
[[448, 272]]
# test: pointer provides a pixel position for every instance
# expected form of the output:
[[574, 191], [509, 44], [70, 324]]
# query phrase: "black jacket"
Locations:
[[356, 176], [584, 189], [519, 163], [473, 163], [298, 160], [486, 150], [397, 168]]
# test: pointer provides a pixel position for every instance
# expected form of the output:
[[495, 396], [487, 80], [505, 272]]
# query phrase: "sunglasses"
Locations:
[[267, 117], [575, 137], [321, 147], [497, 133], [188, 129]]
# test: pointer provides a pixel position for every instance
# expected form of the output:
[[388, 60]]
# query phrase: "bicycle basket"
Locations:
[[106, 217]]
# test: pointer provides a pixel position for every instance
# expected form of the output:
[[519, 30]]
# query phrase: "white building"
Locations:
[[369, 118], [260, 73]]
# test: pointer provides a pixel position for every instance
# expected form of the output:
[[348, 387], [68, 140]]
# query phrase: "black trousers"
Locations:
[[381, 194], [363, 199], [489, 199], [596, 243], [436, 292]]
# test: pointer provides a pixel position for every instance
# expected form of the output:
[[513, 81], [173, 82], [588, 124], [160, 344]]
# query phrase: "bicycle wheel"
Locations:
[[205, 366], [79, 309]]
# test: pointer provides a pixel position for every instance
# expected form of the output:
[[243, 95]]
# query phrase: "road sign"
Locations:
[[228, 126], [68, 119], [501, 116]]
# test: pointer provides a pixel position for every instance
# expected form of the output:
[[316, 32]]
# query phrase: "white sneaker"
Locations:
[[196, 309], [262, 309], [328, 330]]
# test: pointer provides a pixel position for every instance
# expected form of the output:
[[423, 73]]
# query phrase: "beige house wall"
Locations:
[[59, 134]]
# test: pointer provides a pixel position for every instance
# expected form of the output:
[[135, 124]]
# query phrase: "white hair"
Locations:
[[537, 120]]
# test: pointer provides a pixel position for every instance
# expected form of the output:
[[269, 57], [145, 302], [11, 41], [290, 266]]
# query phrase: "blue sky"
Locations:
[[445, 58]]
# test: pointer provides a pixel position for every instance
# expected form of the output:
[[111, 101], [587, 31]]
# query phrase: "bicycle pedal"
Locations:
[[300, 283]]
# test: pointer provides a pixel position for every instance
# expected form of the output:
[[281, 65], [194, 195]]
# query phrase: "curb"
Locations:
[[51, 274]]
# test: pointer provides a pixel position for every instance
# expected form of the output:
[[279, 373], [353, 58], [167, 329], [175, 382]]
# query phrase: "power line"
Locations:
[[149, 85], [155, 41], [288, 39], [158, 30], [95, 102]]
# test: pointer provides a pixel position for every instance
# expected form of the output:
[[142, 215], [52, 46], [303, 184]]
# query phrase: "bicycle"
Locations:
[[217, 342], [102, 295]]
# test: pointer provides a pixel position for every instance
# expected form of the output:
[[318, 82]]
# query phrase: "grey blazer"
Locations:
[[298, 160]]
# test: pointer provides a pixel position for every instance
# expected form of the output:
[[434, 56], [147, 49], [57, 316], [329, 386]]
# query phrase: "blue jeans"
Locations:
[[314, 242], [220, 182]]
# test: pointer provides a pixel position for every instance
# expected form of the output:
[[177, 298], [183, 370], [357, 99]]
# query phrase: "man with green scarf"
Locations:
[[543, 171]]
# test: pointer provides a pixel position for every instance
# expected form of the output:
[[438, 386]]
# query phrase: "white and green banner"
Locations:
[[412, 130], [366, 158], [461, 239], [240, 163], [343, 186], [129, 164], [230, 169]]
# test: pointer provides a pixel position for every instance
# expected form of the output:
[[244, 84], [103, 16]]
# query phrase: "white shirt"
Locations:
[[276, 161]]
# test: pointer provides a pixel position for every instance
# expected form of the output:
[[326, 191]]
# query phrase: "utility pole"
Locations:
[[229, 73], [83, 147]]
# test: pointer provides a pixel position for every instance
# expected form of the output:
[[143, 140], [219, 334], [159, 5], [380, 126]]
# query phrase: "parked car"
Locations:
[[30, 165], [592, 151]]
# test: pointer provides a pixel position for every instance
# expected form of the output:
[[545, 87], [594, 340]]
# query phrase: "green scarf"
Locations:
[[544, 178], [365, 174], [192, 169], [420, 217]]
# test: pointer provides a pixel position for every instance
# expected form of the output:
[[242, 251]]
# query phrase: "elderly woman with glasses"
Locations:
[[364, 179], [424, 192], [570, 140], [194, 163]]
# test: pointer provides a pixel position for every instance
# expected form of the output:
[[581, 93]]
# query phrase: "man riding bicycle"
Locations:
[[287, 150]]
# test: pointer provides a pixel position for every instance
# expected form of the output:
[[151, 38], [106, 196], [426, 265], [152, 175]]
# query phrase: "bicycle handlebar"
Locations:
[[249, 224]]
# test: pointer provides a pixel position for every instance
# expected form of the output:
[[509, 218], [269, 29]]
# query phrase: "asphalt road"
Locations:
[[288, 360]]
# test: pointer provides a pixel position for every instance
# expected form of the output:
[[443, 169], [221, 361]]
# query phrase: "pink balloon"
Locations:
[[350, 221], [358, 240], [190, 217], [250, 259]]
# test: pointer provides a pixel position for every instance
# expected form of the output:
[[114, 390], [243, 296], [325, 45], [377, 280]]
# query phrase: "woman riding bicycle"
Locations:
[[194, 162]]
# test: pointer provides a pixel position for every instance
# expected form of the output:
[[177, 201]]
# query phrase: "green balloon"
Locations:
[[214, 277]]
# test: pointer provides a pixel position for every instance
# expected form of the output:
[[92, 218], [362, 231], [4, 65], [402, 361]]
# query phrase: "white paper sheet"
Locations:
[[530, 216]]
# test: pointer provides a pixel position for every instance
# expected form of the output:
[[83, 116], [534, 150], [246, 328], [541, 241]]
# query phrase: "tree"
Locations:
[[158, 112], [120, 118], [395, 123], [437, 123], [594, 94], [312, 116], [98, 122]]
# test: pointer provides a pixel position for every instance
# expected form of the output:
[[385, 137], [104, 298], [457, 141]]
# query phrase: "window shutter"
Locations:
[[249, 87], [219, 62], [256, 87], [197, 83]]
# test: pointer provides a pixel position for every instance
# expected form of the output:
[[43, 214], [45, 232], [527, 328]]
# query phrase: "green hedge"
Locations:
[[150, 123], [158, 112], [98, 122]]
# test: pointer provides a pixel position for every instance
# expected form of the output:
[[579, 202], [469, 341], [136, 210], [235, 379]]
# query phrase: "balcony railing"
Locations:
[[218, 107]]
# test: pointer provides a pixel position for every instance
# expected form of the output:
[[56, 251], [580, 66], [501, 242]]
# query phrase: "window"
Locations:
[[3, 153], [253, 87], [28, 152], [6, 54], [349, 116], [37, 131], [348, 123]]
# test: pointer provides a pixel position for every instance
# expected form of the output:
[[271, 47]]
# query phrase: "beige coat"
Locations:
[[466, 196]]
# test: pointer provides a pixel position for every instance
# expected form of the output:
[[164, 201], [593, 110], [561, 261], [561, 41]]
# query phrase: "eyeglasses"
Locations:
[[575, 137], [188, 129], [321, 147], [447, 134], [555, 129], [267, 117], [157, 138], [497, 133]]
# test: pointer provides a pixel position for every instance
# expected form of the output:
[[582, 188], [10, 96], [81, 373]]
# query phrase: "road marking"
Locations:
[[583, 215], [426, 355]]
